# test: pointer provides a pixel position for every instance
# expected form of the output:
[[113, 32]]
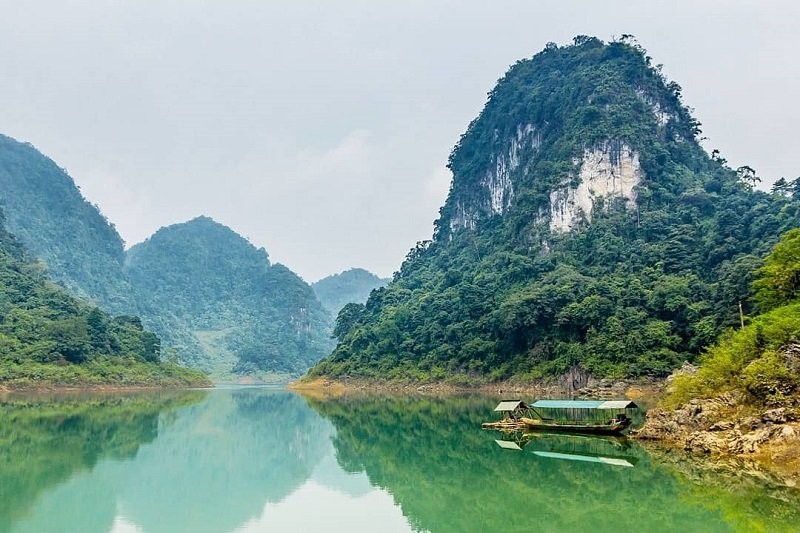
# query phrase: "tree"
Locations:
[[748, 176], [781, 187], [71, 339], [350, 315], [98, 331], [794, 187]]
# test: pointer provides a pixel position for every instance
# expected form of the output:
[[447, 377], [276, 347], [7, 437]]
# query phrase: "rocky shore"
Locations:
[[727, 426]]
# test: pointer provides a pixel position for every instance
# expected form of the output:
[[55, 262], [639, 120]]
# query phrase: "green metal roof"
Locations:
[[585, 404]]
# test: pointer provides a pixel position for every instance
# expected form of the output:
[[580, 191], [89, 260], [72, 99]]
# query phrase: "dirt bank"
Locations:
[[589, 388]]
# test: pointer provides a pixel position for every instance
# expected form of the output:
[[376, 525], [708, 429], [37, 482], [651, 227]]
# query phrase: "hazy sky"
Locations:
[[320, 130]]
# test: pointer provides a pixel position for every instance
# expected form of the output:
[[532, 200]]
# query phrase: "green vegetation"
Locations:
[[763, 358], [48, 337], [350, 286], [46, 211], [637, 290], [221, 307], [216, 300]]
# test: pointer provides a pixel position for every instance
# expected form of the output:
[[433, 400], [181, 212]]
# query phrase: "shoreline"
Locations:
[[634, 389], [726, 428], [6, 390]]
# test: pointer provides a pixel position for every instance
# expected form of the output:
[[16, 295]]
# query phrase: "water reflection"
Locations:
[[449, 476], [606, 450], [234, 460], [256, 460], [45, 440]]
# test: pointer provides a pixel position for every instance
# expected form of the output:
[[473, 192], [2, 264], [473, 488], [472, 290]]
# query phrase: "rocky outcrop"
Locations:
[[726, 426], [611, 170], [496, 186]]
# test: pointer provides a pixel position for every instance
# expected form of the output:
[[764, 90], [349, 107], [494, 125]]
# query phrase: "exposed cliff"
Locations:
[[607, 172]]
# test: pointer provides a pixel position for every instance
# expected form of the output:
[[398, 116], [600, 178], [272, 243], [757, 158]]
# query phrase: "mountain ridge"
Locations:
[[49, 338], [46, 211], [84, 253]]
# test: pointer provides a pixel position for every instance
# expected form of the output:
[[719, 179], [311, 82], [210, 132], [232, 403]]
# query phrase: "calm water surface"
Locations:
[[270, 460]]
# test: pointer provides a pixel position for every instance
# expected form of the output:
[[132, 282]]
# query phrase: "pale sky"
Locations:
[[321, 130]]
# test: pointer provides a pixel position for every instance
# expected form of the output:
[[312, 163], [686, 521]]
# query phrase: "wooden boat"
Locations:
[[613, 427], [569, 416]]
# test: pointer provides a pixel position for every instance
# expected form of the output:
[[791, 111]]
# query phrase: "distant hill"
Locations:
[[260, 318], [350, 286], [47, 212], [48, 337], [222, 306]]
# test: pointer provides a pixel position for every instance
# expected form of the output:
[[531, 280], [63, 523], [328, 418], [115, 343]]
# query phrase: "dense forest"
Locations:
[[762, 359], [46, 211], [49, 337], [585, 227], [350, 286], [220, 304]]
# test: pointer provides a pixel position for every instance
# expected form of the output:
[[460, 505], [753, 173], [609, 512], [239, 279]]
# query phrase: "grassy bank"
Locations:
[[99, 373]]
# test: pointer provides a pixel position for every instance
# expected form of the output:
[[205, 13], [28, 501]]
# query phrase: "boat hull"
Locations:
[[594, 429]]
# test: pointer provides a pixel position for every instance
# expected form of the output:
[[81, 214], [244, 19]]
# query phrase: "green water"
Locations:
[[270, 460]]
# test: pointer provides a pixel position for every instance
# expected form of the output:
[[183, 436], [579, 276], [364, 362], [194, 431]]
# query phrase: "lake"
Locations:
[[257, 459]]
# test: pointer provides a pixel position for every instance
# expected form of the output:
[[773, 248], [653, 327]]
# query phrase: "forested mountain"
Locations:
[[49, 337], [260, 317], [219, 303], [47, 212], [585, 227], [350, 286]]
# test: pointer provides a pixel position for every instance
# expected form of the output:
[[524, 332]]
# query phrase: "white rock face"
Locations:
[[611, 170], [497, 180], [662, 117]]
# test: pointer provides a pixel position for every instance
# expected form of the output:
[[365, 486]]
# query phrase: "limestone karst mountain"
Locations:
[[261, 319], [585, 228]]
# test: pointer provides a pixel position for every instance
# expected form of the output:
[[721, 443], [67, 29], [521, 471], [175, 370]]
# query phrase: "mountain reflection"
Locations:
[[229, 456], [209, 466], [449, 475], [44, 441], [258, 459]]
